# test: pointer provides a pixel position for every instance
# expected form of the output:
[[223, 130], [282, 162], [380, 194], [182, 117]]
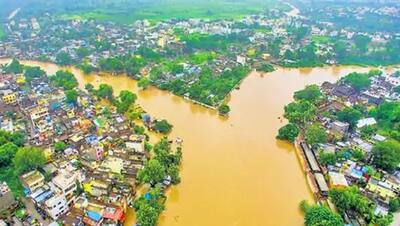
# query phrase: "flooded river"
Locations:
[[234, 171]]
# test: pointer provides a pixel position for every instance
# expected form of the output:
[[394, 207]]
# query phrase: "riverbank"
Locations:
[[228, 157]]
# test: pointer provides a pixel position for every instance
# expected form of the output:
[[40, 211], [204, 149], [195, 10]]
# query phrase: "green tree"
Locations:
[[64, 79], [28, 158], [152, 173], [143, 82], [163, 126], [89, 87], [350, 198], [14, 67], [86, 68], [300, 112], [63, 58], [358, 81], [362, 42], [288, 132], [317, 215], [394, 205], [397, 89], [83, 52], [349, 115], [7, 153], [149, 206], [33, 72], [386, 155], [224, 109], [311, 93], [326, 158], [60, 146], [105, 91], [126, 99], [71, 96], [315, 134]]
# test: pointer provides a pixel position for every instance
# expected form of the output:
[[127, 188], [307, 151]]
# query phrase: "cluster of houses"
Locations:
[[91, 180], [381, 189]]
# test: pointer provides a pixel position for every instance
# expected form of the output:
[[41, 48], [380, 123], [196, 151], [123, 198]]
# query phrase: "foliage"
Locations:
[[149, 206], [386, 155], [152, 173], [394, 205], [33, 72], [300, 112], [315, 134], [7, 153], [104, 91], [358, 81], [388, 117], [64, 79], [71, 96], [14, 67], [326, 158], [163, 126], [316, 215], [143, 82], [138, 129], [60, 146], [266, 67], [349, 115], [288, 132], [224, 109], [368, 131], [350, 198], [125, 100], [63, 58], [28, 158], [86, 68], [89, 87], [311, 93]]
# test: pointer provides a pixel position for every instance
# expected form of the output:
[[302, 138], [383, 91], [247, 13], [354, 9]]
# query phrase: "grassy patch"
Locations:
[[7, 175], [177, 9], [319, 39]]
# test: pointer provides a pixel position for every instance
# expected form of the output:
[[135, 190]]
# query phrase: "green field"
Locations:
[[178, 9]]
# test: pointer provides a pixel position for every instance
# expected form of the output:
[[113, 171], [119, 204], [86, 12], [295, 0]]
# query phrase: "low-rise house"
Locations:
[[56, 206], [32, 181], [6, 197], [10, 98], [380, 188], [65, 181], [337, 180], [366, 122]]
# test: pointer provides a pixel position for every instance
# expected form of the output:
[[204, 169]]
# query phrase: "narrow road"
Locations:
[[31, 209]]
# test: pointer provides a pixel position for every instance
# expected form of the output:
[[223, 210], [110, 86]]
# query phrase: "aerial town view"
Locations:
[[200, 113]]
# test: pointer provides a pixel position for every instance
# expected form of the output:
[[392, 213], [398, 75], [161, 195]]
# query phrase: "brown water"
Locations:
[[234, 171]]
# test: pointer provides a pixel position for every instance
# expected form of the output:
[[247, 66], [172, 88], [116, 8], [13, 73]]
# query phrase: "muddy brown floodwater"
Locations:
[[234, 171]]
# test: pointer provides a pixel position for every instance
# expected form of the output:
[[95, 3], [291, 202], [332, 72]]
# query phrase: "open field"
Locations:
[[177, 9]]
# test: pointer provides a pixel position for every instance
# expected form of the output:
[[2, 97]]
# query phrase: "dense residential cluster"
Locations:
[[75, 157], [348, 136], [202, 60]]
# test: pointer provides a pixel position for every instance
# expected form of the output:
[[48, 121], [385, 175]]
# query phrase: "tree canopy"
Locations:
[[288, 132], [386, 155], [358, 81], [316, 215], [311, 93], [315, 134], [64, 79], [28, 158]]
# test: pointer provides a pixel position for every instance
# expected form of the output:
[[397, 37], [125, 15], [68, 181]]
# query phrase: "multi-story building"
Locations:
[[32, 181]]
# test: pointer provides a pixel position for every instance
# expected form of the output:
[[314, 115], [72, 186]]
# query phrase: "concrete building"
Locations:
[[65, 181], [56, 206], [32, 181], [6, 197]]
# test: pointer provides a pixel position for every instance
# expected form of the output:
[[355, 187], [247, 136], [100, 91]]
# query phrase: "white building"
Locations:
[[241, 59], [56, 206], [65, 181]]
